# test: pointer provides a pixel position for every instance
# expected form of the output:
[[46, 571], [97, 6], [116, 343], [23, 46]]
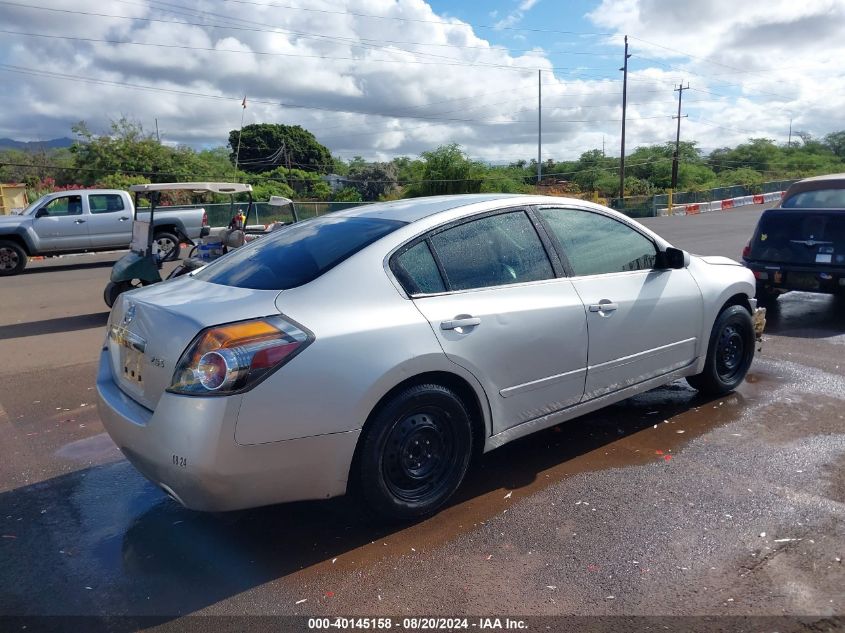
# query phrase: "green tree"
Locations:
[[347, 194], [372, 180], [835, 141], [266, 146], [447, 170]]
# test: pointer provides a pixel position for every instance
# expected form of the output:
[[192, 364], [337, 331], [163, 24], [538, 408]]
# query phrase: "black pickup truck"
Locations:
[[800, 245]]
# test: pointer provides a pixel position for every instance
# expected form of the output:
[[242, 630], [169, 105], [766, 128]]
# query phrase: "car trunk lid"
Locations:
[[150, 329]]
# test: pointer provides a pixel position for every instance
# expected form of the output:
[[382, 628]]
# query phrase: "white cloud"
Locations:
[[456, 88]]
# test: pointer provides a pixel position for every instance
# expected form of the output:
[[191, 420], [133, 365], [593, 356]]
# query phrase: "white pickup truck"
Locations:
[[88, 220]]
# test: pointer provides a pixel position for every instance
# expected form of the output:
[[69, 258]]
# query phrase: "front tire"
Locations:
[[169, 245], [729, 353], [12, 258], [114, 289], [415, 452]]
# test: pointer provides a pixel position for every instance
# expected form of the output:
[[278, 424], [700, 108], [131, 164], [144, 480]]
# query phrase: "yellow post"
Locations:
[[670, 203]]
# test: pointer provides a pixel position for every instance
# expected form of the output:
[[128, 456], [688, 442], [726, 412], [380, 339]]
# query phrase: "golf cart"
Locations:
[[141, 265]]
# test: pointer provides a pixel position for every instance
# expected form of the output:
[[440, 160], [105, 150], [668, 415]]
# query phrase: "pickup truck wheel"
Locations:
[[12, 258], [729, 353], [169, 246]]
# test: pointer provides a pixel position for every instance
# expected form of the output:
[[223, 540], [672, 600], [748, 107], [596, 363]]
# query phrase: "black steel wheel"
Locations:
[[729, 353], [415, 452]]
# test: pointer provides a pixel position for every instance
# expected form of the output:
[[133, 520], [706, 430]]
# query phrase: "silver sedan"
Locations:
[[375, 350]]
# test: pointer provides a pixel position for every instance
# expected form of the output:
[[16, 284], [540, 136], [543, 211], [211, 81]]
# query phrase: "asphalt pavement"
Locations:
[[665, 504]]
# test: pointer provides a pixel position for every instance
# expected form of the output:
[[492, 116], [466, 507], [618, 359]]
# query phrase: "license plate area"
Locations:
[[131, 348], [131, 361], [803, 281]]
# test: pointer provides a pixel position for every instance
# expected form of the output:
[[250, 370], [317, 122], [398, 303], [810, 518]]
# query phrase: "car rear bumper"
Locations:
[[187, 447], [785, 277]]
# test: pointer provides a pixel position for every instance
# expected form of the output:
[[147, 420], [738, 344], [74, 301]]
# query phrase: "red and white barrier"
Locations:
[[721, 205]]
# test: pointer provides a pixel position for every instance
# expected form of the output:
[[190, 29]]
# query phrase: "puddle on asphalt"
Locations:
[[98, 448], [161, 558]]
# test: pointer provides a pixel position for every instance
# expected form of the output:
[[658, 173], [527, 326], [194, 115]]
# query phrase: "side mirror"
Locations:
[[673, 258], [41, 212]]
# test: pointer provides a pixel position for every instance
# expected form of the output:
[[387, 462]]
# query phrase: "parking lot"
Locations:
[[667, 503]]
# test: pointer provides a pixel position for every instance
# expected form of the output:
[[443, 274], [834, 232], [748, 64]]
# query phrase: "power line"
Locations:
[[403, 19], [55, 75], [347, 41]]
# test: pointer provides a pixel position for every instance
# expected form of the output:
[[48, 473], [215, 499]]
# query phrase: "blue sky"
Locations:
[[381, 78], [597, 56]]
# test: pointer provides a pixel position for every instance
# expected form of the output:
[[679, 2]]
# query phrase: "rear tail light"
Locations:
[[746, 251], [204, 218], [235, 357]]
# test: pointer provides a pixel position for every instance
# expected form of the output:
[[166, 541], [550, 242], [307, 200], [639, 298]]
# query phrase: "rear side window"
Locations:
[[818, 199], [797, 237], [595, 244], [417, 271], [492, 251], [297, 254], [105, 203]]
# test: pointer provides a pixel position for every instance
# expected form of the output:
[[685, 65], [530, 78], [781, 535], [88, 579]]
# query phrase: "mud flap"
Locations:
[[759, 321]]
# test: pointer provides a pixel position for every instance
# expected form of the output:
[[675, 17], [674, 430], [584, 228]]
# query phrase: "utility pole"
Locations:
[[602, 145], [677, 155], [539, 125], [789, 143], [624, 69], [158, 138]]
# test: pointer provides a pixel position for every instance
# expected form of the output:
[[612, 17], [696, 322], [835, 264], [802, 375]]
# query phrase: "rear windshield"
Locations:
[[818, 199], [800, 237], [295, 255]]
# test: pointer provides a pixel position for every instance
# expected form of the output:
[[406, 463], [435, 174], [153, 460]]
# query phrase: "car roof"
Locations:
[[413, 209], [828, 181]]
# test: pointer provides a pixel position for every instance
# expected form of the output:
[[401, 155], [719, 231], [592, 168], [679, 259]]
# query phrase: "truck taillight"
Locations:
[[746, 251], [204, 218]]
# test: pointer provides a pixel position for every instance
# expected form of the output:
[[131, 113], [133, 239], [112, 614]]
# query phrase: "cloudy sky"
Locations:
[[380, 78]]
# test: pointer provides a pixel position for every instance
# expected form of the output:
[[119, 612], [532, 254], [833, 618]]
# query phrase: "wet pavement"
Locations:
[[667, 503]]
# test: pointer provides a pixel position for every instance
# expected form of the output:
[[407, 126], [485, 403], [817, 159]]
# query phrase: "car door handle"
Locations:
[[124, 218], [607, 306], [455, 324], [79, 221]]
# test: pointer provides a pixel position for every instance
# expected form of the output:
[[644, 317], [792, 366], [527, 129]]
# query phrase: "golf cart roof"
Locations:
[[197, 187]]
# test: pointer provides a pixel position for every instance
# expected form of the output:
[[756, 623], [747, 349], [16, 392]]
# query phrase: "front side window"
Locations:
[[492, 251], [596, 244], [105, 203], [66, 205]]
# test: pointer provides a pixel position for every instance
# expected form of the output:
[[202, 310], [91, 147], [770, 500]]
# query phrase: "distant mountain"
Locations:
[[8, 143]]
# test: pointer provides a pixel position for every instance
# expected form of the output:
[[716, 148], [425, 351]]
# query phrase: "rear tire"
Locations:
[[13, 258], [169, 245], [415, 452], [729, 353]]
